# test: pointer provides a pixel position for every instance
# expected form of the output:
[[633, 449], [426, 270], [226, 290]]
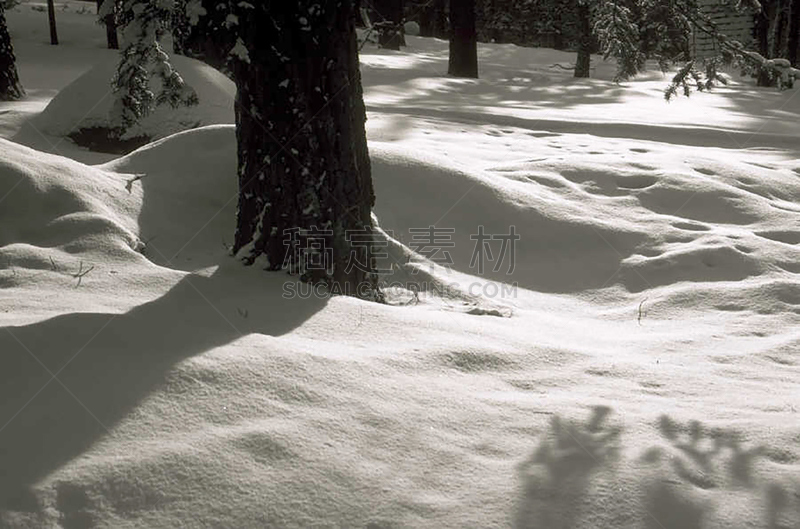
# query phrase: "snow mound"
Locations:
[[592, 221], [61, 205], [189, 184], [86, 102]]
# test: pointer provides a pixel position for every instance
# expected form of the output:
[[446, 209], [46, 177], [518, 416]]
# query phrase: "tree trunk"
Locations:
[[765, 39], [584, 61], [463, 39], [111, 28], [10, 87], [305, 184], [391, 11], [794, 34], [433, 19], [51, 15]]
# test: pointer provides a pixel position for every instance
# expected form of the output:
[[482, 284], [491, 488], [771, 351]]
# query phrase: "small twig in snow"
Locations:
[[54, 265], [641, 312], [81, 273], [130, 181]]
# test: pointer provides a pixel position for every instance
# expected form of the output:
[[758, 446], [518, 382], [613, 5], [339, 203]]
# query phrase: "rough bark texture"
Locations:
[[51, 17], [584, 60], [303, 160], [111, 29], [10, 87], [463, 39]]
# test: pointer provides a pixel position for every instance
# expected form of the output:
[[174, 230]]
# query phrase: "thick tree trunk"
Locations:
[[584, 61], [10, 87], [304, 171], [463, 39], [111, 28], [51, 16]]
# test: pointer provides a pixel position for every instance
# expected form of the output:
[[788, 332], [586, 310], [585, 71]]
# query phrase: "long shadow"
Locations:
[[106, 364]]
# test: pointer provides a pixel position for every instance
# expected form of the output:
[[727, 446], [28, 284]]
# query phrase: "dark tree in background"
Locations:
[[584, 62], [390, 12], [794, 34], [463, 39], [106, 14], [432, 15], [51, 16], [205, 35], [10, 87], [304, 168]]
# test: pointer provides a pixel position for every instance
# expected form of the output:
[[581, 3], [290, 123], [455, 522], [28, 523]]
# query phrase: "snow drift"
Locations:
[[87, 101]]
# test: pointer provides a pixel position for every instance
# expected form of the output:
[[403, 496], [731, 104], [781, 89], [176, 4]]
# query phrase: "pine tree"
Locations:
[[618, 33], [305, 186], [633, 30], [463, 39], [10, 87], [142, 57]]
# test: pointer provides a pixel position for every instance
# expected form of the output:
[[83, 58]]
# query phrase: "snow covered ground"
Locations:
[[645, 372]]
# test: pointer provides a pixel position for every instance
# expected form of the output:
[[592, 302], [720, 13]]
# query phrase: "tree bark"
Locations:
[[304, 168], [10, 87], [463, 39], [584, 60], [794, 34], [51, 16], [111, 28]]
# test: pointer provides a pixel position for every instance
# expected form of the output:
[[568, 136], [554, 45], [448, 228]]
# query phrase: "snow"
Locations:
[[645, 374], [87, 101]]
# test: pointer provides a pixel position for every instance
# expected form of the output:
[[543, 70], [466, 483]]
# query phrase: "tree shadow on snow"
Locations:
[[699, 471], [557, 476], [106, 364], [698, 477]]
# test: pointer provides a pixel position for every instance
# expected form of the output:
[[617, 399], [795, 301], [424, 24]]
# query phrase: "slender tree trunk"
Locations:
[[762, 27], [111, 28], [794, 34], [391, 11], [51, 15], [463, 39], [584, 61], [305, 185], [10, 87], [433, 19]]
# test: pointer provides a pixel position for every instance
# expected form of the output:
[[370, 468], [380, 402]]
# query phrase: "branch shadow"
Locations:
[[700, 469], [108, 363], [557, 476]]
